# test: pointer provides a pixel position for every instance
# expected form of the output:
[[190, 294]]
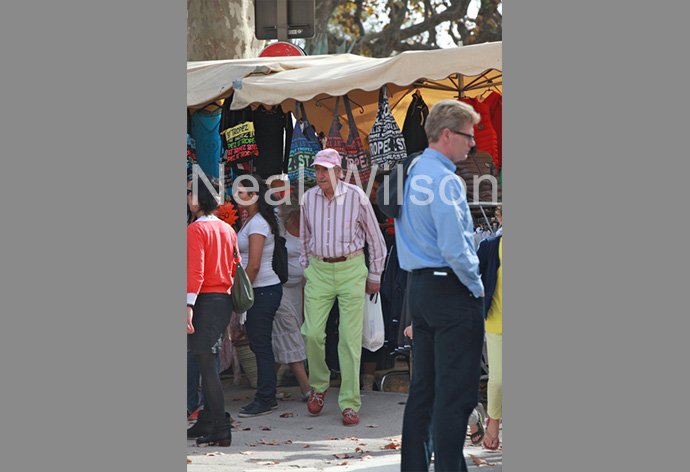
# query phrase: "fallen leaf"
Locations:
[[391, 446], [252, 445], [352, 437], [246, 429], [216, 454], [344, 463], [478, 460], [304, 447], [342, 456], [265, 428], [331, 438], [288, 442], [362, 444], [272, 443], [372, 426], [268, 463], [246, 453], [287, 415], [189, 461]]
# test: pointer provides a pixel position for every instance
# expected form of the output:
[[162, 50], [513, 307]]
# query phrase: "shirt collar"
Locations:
[[339, 189], [208, 218], [440, 157]]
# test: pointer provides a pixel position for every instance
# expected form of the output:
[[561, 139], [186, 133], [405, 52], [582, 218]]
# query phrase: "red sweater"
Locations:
[[210, 265], [484, 132]]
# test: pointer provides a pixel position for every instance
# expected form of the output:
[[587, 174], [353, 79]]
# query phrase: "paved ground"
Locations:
[[291, 439]]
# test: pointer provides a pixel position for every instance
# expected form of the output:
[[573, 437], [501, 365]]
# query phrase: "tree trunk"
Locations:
[[221, 29]]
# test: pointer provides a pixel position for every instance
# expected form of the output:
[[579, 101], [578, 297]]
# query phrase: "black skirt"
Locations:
[[211, 318]]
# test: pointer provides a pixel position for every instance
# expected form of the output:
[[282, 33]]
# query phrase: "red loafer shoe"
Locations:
[[315, 402], [350, 417]]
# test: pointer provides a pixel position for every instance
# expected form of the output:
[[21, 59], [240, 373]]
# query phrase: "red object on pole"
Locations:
[[280, 49]]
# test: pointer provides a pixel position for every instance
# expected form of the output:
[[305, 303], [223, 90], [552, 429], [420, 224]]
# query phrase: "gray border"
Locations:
[[93, 249], [587, 228]]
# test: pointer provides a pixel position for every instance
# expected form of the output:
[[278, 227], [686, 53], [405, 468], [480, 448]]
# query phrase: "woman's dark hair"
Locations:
[[207, 202], [266, 205]]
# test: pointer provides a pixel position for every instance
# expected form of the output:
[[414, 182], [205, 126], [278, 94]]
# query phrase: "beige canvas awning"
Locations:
[[315, 80]]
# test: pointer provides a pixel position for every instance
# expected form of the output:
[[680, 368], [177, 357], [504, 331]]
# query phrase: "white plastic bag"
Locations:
[[373, 332]]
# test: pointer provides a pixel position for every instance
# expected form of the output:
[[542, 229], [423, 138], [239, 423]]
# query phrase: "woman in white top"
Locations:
[[256, 240], [288, 343]]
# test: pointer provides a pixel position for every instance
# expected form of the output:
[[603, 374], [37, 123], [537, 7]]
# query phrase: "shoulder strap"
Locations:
[[350, 118], [304, 113]]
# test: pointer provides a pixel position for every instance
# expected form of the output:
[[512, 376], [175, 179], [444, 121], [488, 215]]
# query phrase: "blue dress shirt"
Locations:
[[435, 226]]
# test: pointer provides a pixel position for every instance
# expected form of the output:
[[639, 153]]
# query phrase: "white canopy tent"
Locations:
[[443, 73]]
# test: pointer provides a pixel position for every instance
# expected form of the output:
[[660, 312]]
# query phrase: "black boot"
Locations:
[[202, 427], [221, 434]]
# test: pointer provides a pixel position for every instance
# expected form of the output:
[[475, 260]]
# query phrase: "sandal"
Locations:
[[493, 442], [478, 436]]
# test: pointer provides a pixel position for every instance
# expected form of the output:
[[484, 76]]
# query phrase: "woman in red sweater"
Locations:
[[210, 271]]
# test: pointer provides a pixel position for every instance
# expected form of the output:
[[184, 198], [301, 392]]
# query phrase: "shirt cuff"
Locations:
[[372, 277], [191, 298], [476, 289]]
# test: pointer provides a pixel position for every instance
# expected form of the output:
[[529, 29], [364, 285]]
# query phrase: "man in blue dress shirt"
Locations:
[[434, 236]]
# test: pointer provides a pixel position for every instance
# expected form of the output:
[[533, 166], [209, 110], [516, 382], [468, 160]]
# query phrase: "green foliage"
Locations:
[[382, 28]]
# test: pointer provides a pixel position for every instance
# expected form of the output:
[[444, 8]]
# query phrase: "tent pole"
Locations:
[[282, 20]]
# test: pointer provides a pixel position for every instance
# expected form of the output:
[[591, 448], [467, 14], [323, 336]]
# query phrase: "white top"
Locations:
[[295, 270], [258, 225]]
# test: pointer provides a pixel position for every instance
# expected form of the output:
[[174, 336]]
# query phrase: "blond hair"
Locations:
[[450, 114]]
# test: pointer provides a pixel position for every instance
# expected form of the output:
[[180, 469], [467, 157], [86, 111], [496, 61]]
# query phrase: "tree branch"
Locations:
[[434, 20], [358, 17]]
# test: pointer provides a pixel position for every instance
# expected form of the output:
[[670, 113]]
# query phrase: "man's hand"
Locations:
[[408, 332], [373, 287], [190, 326]]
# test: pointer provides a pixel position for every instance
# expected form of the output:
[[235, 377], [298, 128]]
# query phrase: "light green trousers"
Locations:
[[494, 388], [325, 281]]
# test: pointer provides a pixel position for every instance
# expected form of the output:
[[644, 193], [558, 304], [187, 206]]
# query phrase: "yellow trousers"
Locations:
[[494, 348]]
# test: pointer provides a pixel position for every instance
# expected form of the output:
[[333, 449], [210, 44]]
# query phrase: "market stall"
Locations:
[[443, 73]]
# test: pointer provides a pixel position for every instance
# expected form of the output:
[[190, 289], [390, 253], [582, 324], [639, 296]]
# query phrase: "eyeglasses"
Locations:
[[189, 191], [471, 136]]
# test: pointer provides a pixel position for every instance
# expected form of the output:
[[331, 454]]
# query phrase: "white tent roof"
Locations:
[[439, 74]]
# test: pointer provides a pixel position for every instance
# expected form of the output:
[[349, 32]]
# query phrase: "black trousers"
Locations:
[[448, 330]]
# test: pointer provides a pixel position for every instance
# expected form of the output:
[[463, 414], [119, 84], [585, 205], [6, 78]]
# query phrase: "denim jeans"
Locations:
[[259, 327], [448, 327], [195, 400]]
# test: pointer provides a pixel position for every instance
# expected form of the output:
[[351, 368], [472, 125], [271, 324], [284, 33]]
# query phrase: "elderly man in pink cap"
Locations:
[[336, 220]]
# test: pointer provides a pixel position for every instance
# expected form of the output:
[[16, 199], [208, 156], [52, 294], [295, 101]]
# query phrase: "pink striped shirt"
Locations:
[[340, 226]]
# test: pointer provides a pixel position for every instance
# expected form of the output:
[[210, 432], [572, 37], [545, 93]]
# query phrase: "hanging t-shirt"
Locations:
[[205, 126], [258, 225], [270, 127], [413, 128]]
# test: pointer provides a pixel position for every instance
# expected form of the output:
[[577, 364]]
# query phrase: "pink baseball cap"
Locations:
[[328, 158]]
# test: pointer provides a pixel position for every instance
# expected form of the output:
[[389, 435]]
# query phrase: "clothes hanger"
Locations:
[[361, 108]]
